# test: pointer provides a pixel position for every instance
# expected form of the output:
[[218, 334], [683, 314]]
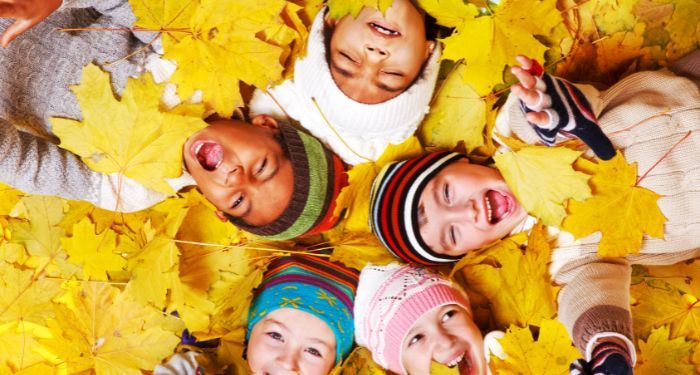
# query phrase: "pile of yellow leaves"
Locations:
[[89, 290]]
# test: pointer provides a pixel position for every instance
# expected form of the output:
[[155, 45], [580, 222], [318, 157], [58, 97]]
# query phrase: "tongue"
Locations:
[[499, 205], [209, 155]]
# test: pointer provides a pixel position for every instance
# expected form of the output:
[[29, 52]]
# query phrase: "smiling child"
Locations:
[[301, 318], [365, 82], [434, 208], [409, 316], [265, 176]]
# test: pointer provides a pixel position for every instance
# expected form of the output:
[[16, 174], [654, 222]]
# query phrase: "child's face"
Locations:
[[241, 168], [374, 58], [291, 340], [465, 207], [446, 335]]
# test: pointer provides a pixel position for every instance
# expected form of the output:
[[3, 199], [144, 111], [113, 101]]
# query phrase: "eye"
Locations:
[[397, 74], [348, 57], [446, 193], [238, 201], [261, 168], [446, 316], [275, 336], [314, 352], [453, 237], [415, 339]]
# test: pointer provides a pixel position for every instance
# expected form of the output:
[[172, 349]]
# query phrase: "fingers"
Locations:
[[527, 80], [538, 118], [15, 30], [530, 97], [524, 61]]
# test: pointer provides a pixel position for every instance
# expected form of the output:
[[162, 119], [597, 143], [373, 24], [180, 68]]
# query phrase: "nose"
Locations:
[[375, 52], [443, 347], [467, 212], [234, 175], [287, 361]]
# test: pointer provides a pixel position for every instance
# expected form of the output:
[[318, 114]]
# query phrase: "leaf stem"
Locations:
[[664, 156]]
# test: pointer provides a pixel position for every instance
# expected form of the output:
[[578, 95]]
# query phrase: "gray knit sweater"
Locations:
[[35, 73]]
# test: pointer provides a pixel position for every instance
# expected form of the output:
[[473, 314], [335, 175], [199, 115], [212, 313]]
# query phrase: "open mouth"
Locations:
[[209, 154], [498, 206], [384, 29], [464, 363]]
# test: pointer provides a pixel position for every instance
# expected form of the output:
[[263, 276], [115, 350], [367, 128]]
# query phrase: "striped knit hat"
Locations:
[[390, 299], [394, 206], [318, 177], [319, 287]]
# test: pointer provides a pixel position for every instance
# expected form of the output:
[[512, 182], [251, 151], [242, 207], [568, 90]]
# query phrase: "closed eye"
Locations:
[[347, 57], [453, 237], [261, 169], [446, 193]]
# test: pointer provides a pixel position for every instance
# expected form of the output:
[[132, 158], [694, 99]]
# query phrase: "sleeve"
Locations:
[[594, 301], [119, 12], [180, 364], [38, 166]]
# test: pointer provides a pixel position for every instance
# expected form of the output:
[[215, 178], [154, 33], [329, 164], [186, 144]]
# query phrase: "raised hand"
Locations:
[[555, 106], [26, 13]]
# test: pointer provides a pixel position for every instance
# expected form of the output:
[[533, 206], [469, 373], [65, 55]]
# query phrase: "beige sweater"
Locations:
[[644, 115]]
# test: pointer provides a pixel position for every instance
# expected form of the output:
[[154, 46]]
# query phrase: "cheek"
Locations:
[[258, 353], [416, 361], [317, 366]]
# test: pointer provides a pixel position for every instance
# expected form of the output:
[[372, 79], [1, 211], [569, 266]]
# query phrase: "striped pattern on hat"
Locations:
[[319, 287], [390, 299], [394, 206], [319, 176]]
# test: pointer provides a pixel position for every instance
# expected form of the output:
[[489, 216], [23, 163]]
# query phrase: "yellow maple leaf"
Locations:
[[683, 28], [129, 136], [38, 231], [659, 355], [449, 13], [339, 8], [359, 362], [490, 42], [354, 198], [232, 296], [663, 304], [26, 295], [684, 276], [620, 210], [542, 179], [155, 273], [550, 354], [515, 282], [357, 249], [103, 330], [18, 349], [8, 198], [95, 252], [215, 45], [458, 114]]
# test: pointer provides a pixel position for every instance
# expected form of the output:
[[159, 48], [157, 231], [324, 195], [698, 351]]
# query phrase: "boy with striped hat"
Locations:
[[434, 208]]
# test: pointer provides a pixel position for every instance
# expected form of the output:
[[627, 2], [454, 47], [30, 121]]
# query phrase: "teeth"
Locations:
[[384, 30], [488, 209], [456, 361], [199, 147]]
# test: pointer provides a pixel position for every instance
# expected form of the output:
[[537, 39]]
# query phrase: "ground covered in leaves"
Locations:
[[88, 290]]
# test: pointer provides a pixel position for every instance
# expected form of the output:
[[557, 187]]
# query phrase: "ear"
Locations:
[[265, 121], [220, 215], [329, 21], [429, 48]]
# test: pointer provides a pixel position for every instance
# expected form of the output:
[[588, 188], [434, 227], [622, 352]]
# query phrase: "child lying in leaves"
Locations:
[[408, 316], [435, 208], [364, 83], [300, 320], [265, 176]]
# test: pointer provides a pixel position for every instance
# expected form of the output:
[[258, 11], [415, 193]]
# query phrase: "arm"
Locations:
[[594, 307], [37, 166]]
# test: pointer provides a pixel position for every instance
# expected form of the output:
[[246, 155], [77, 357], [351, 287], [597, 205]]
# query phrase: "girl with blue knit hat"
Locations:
[[301, 317]]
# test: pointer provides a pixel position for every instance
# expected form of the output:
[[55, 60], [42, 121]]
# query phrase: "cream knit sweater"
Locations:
[[644, 115]]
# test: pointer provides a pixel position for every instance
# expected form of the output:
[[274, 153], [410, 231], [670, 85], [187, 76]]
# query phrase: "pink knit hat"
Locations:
[[390, 299]]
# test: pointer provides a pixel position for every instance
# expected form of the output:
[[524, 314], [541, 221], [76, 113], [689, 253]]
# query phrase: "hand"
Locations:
[[556, 107], [528, 91], [26, 13]]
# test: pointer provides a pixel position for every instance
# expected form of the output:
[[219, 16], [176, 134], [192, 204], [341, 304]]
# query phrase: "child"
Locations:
[[301, 318], [268, 178], [365, 82], [408, 317], [434, 208]]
